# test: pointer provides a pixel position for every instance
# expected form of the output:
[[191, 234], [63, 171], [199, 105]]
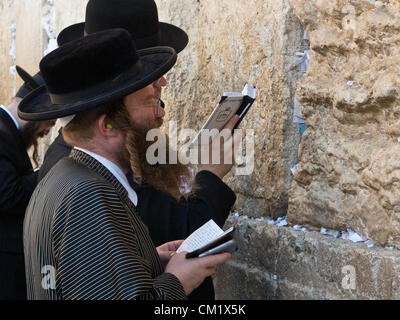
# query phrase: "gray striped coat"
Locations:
[[84, 240]]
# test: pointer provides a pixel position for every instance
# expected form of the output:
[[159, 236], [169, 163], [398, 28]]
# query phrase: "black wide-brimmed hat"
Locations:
[[30, 83], [139, 17], [91, 71]]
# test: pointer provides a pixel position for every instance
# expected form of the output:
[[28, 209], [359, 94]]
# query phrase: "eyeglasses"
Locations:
[[157, 106]]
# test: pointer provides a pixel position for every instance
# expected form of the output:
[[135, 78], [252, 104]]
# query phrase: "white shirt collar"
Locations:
[[11, 116], [116, 171]]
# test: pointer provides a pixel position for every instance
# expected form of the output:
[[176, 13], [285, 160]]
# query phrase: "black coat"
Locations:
[[166, 218], [17, 182]]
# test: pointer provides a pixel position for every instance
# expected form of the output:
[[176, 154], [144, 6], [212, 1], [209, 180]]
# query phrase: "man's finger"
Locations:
[[232, 122], [211, 271], [237, 138]]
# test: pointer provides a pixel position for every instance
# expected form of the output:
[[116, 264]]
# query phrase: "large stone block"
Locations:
[[280, 263], [225, 51], [7, 51], [56, 15], [349, 169]]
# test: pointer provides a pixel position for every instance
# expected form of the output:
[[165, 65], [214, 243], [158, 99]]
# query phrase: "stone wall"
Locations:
[[225, 52], [280, 263], [348, 171], [349, 156]]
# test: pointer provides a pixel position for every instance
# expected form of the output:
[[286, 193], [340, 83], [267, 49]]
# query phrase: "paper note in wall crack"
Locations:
[[202, 236]]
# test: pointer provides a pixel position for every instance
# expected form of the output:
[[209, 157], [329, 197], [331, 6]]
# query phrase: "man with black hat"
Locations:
[[83, 238], [166, 217], [17, 182], [140, 18]]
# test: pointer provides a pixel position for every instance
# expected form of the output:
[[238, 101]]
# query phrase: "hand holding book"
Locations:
[[208, 239], [167, 250]]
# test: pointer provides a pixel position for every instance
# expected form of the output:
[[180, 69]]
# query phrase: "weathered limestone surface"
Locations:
[[349, 172], [280, 263], [66, 13], [30, 40], [7, 51], [225, 52], [56, 15], [255, 42]]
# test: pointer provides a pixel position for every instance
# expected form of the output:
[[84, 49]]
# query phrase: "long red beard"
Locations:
[[171, 178]]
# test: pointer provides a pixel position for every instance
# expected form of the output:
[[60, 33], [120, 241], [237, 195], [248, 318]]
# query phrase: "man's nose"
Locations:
[[161, 82], [161, 113]]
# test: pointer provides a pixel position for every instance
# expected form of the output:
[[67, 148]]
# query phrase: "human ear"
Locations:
[[104, 127]]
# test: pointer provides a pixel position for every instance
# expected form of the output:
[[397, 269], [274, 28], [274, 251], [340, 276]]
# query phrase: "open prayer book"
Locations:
[[208, 239], [231, 103]]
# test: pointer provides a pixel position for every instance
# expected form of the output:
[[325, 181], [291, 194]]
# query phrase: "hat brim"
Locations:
[[30, 83], [37, 105], [170, 35]]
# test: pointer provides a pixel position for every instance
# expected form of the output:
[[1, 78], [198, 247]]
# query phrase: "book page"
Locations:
[[202, 236], [224, 112]]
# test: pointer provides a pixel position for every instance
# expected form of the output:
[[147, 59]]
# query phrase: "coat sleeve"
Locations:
[[15, 189], [213, 195], [168, 219], [98, 251]]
